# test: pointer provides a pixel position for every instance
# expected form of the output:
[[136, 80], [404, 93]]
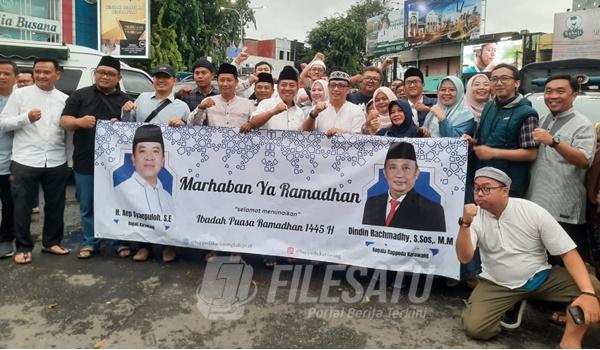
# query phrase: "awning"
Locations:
[[26, 52]]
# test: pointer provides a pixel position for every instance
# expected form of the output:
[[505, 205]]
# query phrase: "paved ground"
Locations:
[[110, 302]]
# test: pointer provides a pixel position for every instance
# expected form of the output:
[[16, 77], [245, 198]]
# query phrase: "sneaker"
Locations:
[[6, 249], [513, 317]]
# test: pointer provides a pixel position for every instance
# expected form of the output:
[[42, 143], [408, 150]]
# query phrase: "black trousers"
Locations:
[[25, 185], [7, 227]]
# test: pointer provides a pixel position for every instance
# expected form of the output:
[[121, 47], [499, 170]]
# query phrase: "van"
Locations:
[[78, 63]]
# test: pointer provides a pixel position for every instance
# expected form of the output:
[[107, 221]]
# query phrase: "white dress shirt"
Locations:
[[232, 114], [350, 118], [40, 144], [290, 119], [414, 111]]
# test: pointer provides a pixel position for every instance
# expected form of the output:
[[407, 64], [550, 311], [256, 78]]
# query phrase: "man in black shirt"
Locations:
[[101, 101], [204, 73], [370, 81]]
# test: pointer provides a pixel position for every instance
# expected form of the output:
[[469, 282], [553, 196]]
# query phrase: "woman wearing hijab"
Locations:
[[401, 117], [379, 118], [449, 117], [477, 94], [319, 92]]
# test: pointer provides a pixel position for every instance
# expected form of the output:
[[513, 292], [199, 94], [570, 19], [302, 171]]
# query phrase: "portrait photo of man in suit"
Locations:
[[402, 206]]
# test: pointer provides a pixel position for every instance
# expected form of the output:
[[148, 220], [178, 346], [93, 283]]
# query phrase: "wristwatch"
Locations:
[[555, 141], [463, 223]]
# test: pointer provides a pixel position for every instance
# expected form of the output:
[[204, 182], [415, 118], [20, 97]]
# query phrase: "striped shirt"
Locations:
[[557, 185]]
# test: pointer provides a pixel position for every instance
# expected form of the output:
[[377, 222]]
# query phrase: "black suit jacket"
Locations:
[[415, 212], [427, 101]]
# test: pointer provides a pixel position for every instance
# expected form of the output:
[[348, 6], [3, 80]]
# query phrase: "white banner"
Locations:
[[283, 193], [37, 24]]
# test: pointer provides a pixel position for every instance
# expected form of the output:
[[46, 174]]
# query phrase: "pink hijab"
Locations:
[[474, 106], [384, 119]]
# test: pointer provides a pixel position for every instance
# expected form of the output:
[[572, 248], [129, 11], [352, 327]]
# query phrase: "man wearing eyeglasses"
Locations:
[[504, 139], [419, 103], [101, 101], [370, 81], [513, 236], [568, 143], [339, 115]]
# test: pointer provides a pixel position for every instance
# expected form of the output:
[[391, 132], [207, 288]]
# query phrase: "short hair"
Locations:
[[47, 59], [571, 79], [26, 71], [513, 69], [262, 63], [11, 63], [373, 69]]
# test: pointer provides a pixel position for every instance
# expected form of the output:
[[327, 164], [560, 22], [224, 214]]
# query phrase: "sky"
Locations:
[[293, 19]]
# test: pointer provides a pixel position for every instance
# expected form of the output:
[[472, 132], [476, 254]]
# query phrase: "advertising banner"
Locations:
[[124, 28], [440, 21], [484, 57], [385, 33], [576, 35], [283, 193]]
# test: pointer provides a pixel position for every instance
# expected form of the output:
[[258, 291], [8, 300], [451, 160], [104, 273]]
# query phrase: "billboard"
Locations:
[[576, 34], [385, 33], [441, 21], [123, 28], [484, 57]]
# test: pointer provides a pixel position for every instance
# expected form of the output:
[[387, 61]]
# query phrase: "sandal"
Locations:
[[85, 253], [56, 250], [23, 258], [123, 252], [558, 318]]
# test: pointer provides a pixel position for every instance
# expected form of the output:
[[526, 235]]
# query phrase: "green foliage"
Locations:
[[183, 31], [343, 38]]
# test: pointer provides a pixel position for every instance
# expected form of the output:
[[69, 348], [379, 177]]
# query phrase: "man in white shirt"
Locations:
[[339, 115], [226, 109], [143, 192], [39, 157], [280, 112], [512, 235]]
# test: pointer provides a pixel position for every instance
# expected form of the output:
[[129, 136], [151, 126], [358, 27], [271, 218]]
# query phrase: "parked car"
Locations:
[[79, 64], [534, 75]]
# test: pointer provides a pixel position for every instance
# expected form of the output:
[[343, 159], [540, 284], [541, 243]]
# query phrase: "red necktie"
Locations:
[[394, 205]]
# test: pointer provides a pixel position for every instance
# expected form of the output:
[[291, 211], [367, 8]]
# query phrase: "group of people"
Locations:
[[526, 191]]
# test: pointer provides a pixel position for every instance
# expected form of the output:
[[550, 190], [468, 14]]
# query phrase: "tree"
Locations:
[[342, 38], [183, 31]]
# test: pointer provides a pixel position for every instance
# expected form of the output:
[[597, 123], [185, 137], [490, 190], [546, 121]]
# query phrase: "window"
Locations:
[[288, 55], [281, 55], [135, 83], [69, 80]]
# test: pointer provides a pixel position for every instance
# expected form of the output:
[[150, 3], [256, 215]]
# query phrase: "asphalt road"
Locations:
[[111, 302]]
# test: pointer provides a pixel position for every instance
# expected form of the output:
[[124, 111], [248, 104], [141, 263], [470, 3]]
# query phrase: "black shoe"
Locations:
[[513, 317]]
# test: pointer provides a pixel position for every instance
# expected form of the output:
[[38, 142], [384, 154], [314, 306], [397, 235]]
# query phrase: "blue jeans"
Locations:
[[85, 192]]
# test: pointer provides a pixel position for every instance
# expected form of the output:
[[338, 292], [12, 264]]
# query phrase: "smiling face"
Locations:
[[338, 90], [45, 74], [163, 83], [287, 90], [263, 91], [316, 72], [504, 85], [413, 87], [227, 83], [487, 54], [447, 93], [371, 81], [401, 175], [317, 93], [107, 78], [397, 115], [480, 89], [559, 95], [381, 103], [148, 158]]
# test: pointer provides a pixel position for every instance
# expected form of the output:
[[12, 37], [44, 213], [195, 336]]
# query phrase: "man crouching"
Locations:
[[513, 235]]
